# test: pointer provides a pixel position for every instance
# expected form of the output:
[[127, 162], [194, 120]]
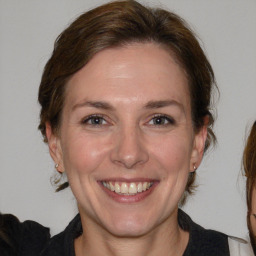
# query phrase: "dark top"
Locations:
[[202, 242], [21, 238]]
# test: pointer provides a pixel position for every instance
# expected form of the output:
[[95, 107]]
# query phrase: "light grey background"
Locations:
[[28, 29]]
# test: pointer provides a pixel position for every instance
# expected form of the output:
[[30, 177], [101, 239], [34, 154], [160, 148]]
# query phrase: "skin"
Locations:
[[133, 84]]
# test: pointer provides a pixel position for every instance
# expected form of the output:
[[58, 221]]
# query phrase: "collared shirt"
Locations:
[[30, 238], [202, 242]]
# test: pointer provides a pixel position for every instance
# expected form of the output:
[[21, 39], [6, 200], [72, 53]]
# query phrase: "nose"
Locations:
[[129, 150]]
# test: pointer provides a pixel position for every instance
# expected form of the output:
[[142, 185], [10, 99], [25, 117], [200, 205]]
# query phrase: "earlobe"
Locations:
[[54, 148], [198, 148]]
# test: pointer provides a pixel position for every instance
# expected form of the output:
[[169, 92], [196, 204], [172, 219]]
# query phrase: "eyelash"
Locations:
[[94, 117], [99, 119], [170, 120]]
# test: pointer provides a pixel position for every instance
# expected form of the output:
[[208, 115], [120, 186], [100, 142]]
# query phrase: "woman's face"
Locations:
[[126, 139]]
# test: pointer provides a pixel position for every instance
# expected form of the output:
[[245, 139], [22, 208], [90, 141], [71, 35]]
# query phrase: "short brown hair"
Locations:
[[249, 163], [116, 24]]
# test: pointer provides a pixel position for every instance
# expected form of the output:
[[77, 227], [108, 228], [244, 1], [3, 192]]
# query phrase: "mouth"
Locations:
[[127, 188]]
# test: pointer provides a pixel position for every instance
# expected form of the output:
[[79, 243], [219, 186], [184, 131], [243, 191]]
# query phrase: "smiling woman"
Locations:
[[125, 101], [136, 134]]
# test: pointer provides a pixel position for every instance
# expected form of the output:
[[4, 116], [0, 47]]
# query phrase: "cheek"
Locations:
[[173, 152], [84, 153]]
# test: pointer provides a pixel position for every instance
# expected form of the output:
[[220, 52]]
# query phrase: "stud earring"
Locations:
[[195, 168], [56, 167]]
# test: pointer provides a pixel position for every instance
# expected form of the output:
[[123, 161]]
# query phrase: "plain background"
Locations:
[[28, 28]]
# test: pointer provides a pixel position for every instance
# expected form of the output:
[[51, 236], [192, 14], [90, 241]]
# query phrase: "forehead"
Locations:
[[134, 71]]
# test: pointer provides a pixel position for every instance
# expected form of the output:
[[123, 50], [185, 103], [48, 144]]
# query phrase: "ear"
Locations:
[[198, 148], [54, 147]]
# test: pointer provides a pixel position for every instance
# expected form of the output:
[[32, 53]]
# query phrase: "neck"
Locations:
[[166, 239]]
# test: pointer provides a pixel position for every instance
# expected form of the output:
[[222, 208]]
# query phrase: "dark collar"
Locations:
[[202, 242]]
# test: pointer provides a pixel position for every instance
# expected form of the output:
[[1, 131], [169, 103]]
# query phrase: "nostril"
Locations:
[[129, 149], [130, 161]]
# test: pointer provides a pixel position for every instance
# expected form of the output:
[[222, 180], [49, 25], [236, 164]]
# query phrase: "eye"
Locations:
[[161, 120], [94, 120]]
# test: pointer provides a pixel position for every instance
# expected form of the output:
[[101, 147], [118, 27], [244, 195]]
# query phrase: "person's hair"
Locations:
[[249, 164], [8, 244], [118, 24]]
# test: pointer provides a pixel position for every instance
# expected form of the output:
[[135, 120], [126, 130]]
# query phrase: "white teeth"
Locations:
[[127, 188], [117, 188], [139, 187], [132, 188], [144, 186], [124, 188], [112, 188]]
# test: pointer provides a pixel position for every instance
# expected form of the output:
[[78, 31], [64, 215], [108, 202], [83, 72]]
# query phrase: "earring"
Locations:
[[56, 167], [195, 168]]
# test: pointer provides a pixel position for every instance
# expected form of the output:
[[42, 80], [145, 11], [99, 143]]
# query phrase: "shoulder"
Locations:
[[22, 238], [63, 243], [203, 241], [55, 245], [210, 242], [239, 247]]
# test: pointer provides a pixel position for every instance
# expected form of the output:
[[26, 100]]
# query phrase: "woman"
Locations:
[[249, 162], [125, 101]]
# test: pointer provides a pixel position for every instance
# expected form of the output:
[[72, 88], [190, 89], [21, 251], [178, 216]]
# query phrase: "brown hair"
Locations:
[[249, 163], [116, 24]]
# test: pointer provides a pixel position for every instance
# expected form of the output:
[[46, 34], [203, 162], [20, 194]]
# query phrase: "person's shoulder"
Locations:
[[203, 241], [63, 243], [34, 238], [22, 238], [210, 242], [56, 245], [239, 247]]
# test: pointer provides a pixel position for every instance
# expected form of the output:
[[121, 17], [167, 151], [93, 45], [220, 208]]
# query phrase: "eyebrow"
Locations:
[[163, 103], [106, 106], [94, 104]]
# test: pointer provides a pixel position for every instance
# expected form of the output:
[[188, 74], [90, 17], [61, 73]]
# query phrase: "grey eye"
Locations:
[[161, 120], [94, 120]]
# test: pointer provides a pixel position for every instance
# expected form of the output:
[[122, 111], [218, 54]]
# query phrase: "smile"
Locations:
[[126, 188]]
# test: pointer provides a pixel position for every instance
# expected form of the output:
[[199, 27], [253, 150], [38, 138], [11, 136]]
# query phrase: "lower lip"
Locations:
[[131, 198]]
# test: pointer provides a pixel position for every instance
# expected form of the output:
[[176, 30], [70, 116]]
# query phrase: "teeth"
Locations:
[[124, 188], [112, 188], [117, 188], [133, 188], [139, 187], [127, 188]]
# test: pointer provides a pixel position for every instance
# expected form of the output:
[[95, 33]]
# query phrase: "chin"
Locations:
[[129, 227], [129, 231]]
